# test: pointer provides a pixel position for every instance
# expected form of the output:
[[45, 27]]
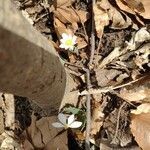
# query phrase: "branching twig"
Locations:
[[118, 119], [88, 111], [108, 89], [92, 36], [88, 105]]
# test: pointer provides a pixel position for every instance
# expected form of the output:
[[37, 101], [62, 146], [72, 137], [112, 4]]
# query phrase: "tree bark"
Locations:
[[29, 64]]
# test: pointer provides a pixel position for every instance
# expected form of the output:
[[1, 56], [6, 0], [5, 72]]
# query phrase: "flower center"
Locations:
[[69, 42]]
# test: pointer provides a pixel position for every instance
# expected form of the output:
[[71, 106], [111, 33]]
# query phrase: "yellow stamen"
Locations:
[[68, 42]]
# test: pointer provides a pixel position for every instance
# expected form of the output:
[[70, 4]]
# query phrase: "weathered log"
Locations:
[[29, 64]]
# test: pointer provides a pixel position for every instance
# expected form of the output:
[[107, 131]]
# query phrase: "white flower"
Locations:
[[66, 122], [68, 41]]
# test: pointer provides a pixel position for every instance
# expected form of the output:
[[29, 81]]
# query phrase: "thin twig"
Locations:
[[92, 36], [88, 104], [118, 119], [41, 17], [85, 33], [88, 111], [108, 89]]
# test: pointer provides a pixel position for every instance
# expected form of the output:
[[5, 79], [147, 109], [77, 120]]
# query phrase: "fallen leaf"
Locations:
[[135, 5], [146, 4], [60, 3], [97, 119], [60, 28], [9, 143], [119, 20], [114, 54], [81, 43], [101, 19], [143, 108], [142, 56], [138, 91], [41, 134], [140, 128], [139, 37], [142, 7], [125, 9], [64, 14], [106, 77], [123, 6]]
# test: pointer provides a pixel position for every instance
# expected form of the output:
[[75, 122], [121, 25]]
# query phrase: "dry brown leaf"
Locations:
[[97, 118], [140, 128], [143, 108], [27, 145], [41, 134], [124, 7], [81, 43], [118, 20], [65, 14], [59, 27], [146, 4], [104, 12], [140, 36], [114, 54], [142, 56], [142, 7], [101, 19], [137, 91], [60, 3], [135, 5], [83, 15], [70, 15], [35, 134]]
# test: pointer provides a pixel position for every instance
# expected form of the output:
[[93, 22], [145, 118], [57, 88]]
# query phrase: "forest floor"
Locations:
[[109, 61]]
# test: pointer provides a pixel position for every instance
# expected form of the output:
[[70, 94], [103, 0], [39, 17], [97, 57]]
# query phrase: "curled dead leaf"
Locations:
[[118, 20], [137, 91], [97, 119], [60, 28], [124, 7], [81, 43], [41, 134], [60, 3], [146, 4], [140, 128], [141, 7], [70, 15], [101, 19], [135, 5], [143, 108]]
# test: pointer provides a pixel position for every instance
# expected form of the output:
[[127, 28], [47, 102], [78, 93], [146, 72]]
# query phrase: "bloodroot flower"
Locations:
[[68, 41], [66, 122]]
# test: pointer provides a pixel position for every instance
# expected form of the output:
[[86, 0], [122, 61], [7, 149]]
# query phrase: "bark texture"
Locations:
[[29, 65]]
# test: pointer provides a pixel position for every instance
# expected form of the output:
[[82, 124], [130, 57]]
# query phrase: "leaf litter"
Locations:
[[118, 81]]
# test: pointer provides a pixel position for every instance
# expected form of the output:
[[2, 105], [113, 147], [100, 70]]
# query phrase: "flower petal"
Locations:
[[62, 41], [62, 118], [71, 119], [71, 48], [70, 36], [66, 47], [57, 125], [75, 124], [74, 38], [62, 46], [65, 36]]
